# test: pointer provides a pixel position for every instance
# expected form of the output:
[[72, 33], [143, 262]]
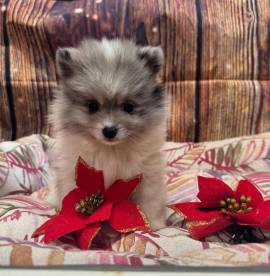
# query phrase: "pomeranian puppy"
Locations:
[[110, 109]]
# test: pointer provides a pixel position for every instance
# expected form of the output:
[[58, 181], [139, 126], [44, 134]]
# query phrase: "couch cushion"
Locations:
[[230, 160], [24, 165]]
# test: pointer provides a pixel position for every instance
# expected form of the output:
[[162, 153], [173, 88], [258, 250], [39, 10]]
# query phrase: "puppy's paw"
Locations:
[[157, 224]]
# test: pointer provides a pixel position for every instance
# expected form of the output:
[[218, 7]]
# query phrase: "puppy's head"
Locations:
[[109, 90]]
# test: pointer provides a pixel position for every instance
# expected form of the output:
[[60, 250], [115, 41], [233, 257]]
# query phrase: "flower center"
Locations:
[[232, 205], [90, 204]]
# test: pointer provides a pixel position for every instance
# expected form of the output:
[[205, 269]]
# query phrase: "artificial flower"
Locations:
[[89, 204], [220, 207]]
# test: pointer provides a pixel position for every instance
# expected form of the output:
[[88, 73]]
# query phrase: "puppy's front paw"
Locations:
[[157, 224]]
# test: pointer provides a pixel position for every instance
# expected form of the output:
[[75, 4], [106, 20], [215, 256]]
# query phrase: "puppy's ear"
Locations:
[[153, 58], [65, 62]]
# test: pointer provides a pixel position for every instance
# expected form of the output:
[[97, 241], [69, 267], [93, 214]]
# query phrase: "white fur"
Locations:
[[116, 162], [108, 48], [136, 148]]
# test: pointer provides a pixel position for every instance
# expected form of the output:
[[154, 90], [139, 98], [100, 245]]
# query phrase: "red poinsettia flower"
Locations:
[[221, 207], [84, 208]]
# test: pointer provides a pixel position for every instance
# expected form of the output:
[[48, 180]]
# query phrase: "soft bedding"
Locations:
[[24, 171]]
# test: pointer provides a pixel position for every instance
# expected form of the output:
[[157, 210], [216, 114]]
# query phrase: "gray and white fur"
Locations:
[[111, 110]]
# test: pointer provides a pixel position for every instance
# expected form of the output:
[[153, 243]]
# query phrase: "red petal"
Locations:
[[192, 211], [57, 227], [121, 189], [126, 217], [249, 218], [43, 228], [212, 190], [102, 213], [89, 178], [258, 217], [63, 224], [86, 235], [71, 199], [202, 229], [248, 189], [264, 212]]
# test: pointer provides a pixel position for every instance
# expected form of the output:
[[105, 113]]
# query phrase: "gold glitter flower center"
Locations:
[[90, 204], [239, 207]]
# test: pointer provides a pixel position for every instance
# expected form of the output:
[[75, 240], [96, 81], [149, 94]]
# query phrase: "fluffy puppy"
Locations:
[[110, 109]]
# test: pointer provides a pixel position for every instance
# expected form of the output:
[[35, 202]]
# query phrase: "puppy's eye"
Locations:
[[93, 106], [128, 108]]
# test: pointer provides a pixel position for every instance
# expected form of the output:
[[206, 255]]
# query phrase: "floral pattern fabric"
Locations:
[[24, 165], [24, 170]]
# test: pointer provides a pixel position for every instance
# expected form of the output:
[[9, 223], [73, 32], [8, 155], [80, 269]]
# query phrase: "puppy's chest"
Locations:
[[114, 166]]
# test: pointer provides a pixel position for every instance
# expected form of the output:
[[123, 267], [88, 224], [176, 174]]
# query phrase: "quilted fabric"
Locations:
[[24, 165], [230, 160]]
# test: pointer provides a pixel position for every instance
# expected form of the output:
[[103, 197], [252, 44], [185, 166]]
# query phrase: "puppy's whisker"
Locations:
[[132, 138]]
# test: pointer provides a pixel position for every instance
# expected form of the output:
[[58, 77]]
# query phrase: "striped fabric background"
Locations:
[[217, 59]]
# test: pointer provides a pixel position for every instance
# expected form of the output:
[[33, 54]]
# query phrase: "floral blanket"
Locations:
[[24, 170]]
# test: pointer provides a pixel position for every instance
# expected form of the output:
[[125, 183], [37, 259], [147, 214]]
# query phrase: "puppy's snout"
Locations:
[[110, 132]]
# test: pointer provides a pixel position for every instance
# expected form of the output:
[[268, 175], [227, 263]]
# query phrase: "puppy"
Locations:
[[110, 109]]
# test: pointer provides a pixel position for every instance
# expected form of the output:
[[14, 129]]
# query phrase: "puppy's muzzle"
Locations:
[[109, 132]]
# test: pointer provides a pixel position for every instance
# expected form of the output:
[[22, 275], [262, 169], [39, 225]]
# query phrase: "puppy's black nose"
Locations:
[[109, 132]]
